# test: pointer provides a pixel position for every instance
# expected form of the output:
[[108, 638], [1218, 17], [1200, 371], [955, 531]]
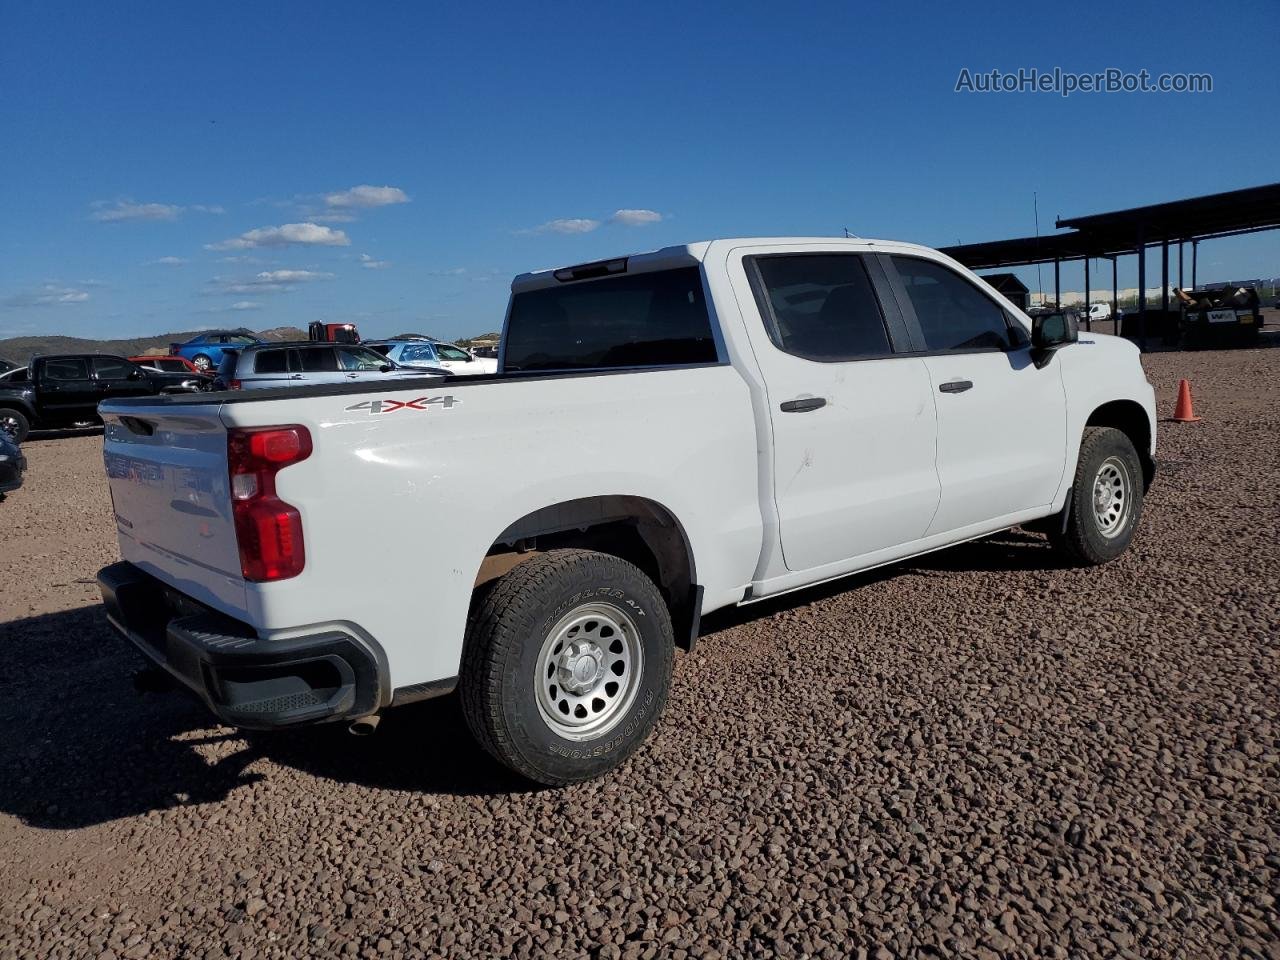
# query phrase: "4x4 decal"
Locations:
[[446, 402]]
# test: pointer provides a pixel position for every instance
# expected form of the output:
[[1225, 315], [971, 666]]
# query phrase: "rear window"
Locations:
[[271, 361], [638, 320], [316, 360], [66, 370]]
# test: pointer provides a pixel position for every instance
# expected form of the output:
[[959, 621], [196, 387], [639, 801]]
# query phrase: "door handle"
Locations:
[[803, 405], [956, 386]]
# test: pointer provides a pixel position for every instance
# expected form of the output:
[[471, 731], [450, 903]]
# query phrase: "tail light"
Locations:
[[233, 384], [268, 530]]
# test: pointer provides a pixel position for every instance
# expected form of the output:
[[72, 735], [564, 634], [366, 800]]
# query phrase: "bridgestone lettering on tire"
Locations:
[[566, 665], [1105, 502]]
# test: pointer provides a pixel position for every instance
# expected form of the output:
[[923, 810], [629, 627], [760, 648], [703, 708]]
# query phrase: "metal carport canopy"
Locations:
[[1123, 231]]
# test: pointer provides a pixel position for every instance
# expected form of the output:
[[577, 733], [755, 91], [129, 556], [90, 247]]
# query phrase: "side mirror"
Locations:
[[1051, 332]]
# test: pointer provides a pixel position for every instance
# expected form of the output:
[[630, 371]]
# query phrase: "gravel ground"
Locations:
[[977, 754]]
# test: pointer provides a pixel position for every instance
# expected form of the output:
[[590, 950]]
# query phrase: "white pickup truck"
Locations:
[[668, 434]]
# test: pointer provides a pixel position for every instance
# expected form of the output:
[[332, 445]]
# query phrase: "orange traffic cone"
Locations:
[[1183, 412]]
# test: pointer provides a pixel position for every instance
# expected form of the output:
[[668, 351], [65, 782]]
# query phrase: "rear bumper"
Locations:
[[246, 681]]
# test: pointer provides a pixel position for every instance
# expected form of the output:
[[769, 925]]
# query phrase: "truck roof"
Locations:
[[687, 255]]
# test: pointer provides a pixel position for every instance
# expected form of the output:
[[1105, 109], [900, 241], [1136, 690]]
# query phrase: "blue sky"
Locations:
[[176, 165]]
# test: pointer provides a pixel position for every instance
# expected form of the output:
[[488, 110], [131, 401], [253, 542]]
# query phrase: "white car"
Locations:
[[672, 433], [433, 353]]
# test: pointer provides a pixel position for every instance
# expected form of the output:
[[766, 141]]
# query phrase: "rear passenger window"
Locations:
[[822, 307], [633, 320], [271, 361], [953, 313], [317, 361], [66, 370]]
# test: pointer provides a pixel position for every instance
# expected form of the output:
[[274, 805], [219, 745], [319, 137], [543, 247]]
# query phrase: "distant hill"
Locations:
[[22, 349]]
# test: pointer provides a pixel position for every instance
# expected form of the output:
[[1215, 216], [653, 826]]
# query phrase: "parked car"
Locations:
[[205, 350], [12, 464], [169, 364], [1098, 311], [674, 432], [434, 353], [263, 365], [64, 391], [15, 375], [6, 365]]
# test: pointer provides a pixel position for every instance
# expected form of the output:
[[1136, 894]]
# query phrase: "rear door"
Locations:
[[1001, 420], [854, 426], [65, 389], [318, 364]]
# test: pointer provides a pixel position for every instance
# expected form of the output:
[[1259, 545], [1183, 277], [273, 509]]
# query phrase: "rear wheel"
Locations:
[[15, 423], [566, 666], [202, 363], [1105, 501]]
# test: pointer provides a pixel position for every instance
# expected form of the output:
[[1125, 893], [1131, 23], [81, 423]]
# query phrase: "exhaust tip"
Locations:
[[364, 726]]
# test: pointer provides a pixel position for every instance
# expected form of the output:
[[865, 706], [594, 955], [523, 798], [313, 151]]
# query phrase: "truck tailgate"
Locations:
[[167, 468]]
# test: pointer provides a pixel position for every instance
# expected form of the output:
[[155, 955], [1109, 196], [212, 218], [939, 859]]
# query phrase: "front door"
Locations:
[[115, 377], [1001, 420], [854, 426]]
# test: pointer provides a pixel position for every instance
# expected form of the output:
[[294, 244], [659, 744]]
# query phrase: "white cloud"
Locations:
[[369, 263], [268, 281], [568, 225], [246, 305], [365, 196], [208, 208], [107, 212], [166, 262], [50, 294], [303, 234], [636, 218]]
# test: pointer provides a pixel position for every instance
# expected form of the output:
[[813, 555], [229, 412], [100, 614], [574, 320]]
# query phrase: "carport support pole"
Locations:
[[1195, 249], [1057, 284], [1142, 292], [1180, 286], [1088, 320], [1164, 277], [1115, 297]]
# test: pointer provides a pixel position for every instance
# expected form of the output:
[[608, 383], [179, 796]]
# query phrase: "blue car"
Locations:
[[205, 351]]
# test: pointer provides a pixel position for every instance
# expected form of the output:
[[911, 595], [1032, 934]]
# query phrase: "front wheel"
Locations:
[[201, 362], [566, 665], [1105, 502]]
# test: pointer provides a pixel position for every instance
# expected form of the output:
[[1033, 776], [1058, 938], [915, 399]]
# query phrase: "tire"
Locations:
[[566, 665], [1105, 502], [15, 423], [202, 362]]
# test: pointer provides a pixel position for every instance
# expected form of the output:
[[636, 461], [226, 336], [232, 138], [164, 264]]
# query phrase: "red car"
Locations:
[[168, 364]]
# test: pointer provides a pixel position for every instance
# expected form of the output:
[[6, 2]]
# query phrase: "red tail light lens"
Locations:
[[233, 384], [268, 530]]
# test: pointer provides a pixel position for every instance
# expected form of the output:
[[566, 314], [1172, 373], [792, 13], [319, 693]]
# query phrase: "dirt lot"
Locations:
[[976, 754]]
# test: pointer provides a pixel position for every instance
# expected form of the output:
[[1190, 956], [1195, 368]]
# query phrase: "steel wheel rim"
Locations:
[[9, 424], [1112, 497], [588, 671]]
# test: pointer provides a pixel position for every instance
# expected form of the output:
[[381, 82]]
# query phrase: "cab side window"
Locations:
[[822, 307], [66, 370], [953, 313], [109, 368]]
